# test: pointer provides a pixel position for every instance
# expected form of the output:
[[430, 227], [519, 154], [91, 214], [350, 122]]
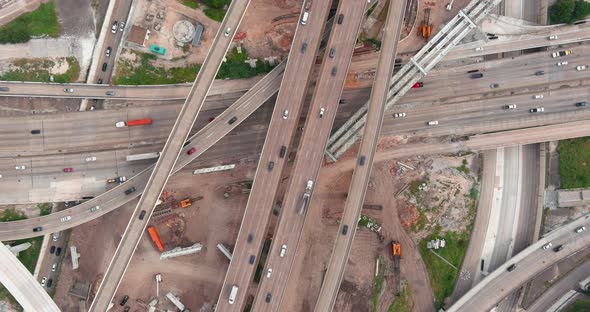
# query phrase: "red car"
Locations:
[[68, 169], [192, 150], [418, 85], [211, 118]]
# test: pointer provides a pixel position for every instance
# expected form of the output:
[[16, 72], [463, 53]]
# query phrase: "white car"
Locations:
[[286, 114], [581, 67], [510, 106], [478, 49], [399, 115], [269, 273], [547, 246], [43, 280], [120, 124], [562, 63], [20, 167], [538, 96], [89, 159], [322, 111], [283, 250], [552, 37], [581, 229], [54, 267], [433, 123], [95, 208], [227, 31], [68, 90], [66, 218], [122, 26], [114, 27]]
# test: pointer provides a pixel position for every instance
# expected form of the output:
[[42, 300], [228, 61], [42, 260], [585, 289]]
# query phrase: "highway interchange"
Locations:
[[478, 112]]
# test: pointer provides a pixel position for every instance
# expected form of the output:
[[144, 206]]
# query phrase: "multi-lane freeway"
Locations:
[[362, 171], [275, 151]]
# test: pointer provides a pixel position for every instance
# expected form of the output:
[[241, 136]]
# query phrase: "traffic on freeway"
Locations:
[[272, 171]]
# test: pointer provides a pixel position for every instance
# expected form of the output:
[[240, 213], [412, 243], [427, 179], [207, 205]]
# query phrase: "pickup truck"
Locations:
[[117, 179], [306, 196]]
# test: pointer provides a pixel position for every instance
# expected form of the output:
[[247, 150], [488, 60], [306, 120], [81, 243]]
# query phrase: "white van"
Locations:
[[233, 294], [304, 18]]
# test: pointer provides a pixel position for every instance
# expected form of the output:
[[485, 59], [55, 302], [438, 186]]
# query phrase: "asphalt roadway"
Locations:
[[95, 130], [280, 134], [529, 263], [309, 159], [169, 156], [22, 286], [362, 171]]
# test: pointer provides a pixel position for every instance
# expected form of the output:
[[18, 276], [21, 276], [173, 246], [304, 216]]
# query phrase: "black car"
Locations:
[[4, 89], [268, 297], [38, 229], [271, 165], [476, 76], [186, 143], [142, 215], [340, 18], [124, 300], [49, 283], [250, 238], [283, 151], [540, 73], [342, 101], [52, 249], [130, 190], [303, 48], [332, 52], [582, 104], [362, 161], [104, 67], [344, 230], [511, 267], [58, 251], [252, 258], [558, 248], [334, 70], [232, 120], [35, 131]]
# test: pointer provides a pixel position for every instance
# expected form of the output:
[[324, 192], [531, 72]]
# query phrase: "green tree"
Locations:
[[581, 10], [562, 11]]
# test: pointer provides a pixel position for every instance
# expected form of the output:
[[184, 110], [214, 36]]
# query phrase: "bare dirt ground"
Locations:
[[96, 241], [196, 278]]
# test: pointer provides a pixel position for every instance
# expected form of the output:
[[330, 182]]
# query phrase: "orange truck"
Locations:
[[396, 249], [186, 203], [156, 238]]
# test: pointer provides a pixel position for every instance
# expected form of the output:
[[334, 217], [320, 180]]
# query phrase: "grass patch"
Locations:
[[191, 4], [237, 68], [262, 261], [12, 214], [38, 70], [443, 276], [463, 168], [574, 163], [44, 208], [403, 302], [578, 306], [474, 192], [379, 279], [147, 74], [41, 22], [216, 9]]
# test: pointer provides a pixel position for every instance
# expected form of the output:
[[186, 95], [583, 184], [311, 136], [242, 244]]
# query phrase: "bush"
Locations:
[[191, 4], [568, 11], [41, 22], [216, 9], [236, 66]]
